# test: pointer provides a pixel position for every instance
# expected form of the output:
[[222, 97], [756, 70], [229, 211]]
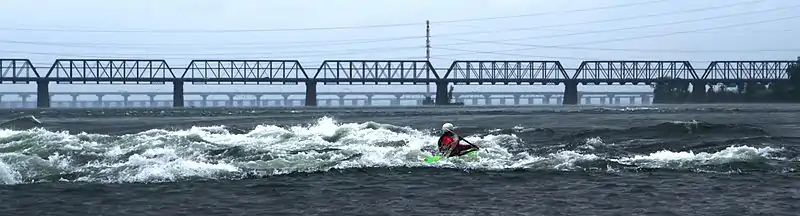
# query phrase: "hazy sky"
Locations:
[[568, 31]]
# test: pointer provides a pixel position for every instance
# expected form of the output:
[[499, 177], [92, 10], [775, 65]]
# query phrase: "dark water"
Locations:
[[659, 160]]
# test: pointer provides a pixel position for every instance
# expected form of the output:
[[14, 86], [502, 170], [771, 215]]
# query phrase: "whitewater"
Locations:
[[529, 156]]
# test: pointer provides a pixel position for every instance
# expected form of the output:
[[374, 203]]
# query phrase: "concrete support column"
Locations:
[[230, 100], [152, 100], [100, 101], [24, 98], [74, 102], [125, 97], [177, 94], [645, 99], [396, 101], [368, 102], [204, 100], [698, 91], [341, 99], [258, 100], [43, 94], [286, 101], [571, 93], [311, 93]]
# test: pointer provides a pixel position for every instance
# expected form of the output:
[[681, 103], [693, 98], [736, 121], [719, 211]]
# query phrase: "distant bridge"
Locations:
[[258, 98], [386, 72]]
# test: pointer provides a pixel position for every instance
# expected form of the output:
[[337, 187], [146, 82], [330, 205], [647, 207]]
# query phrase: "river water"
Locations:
[[557, 160]]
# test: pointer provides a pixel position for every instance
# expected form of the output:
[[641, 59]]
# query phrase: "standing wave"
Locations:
[[39, 155]]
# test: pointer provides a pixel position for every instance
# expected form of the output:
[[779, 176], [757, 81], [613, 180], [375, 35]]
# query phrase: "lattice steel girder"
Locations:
[[506, 72], [110, 71], [288, 72], [413, 72], [763, 71], [17, 71], [633, 71]]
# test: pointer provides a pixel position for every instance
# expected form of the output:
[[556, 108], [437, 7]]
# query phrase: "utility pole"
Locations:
[[428, 50]]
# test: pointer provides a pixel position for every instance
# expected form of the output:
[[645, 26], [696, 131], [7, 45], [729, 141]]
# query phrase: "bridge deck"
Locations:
[[404, 72]]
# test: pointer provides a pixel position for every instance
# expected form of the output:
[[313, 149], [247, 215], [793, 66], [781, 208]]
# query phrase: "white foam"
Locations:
[[198, 152], [669, 159]]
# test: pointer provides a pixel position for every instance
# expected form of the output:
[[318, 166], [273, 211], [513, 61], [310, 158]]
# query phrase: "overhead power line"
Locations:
[[248, 45], [628, 18], [324, 28], [501, 52], [374, 40], [305, 53], [626, 28]]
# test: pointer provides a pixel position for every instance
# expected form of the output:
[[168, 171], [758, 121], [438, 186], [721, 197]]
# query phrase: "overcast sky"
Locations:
[[567, 31]]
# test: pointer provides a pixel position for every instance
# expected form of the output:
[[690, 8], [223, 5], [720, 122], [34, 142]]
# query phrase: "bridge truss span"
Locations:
[[634, 72], [519, 72], [110, 71], [276, 72], [17, 71], [754, 71], [411, 72]]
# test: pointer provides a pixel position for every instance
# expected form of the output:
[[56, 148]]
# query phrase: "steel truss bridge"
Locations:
[[386, 72]]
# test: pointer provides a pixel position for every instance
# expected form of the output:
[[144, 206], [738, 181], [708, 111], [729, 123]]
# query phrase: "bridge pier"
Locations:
[[177, 94], [125, 97], [205, 99], [530, 101], [571, 92], [43, 94], [258, 101], [441, 93], [286, 101], [645, 99], [368, 102], [24, 98], [487, 99], [74, 102], [546, 99], [152, 100], [699, 91], [100, 101], [587, 101], [229, 103], [516, 99], [311, 93], [341, 99]]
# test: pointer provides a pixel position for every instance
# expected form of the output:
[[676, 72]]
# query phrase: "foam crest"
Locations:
[[689, 159], [158, 155]]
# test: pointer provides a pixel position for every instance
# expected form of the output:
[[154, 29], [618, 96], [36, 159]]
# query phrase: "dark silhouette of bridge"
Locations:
[[387, 72]]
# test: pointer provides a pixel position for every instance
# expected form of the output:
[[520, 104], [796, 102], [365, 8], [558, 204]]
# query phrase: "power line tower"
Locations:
[[428, 50]]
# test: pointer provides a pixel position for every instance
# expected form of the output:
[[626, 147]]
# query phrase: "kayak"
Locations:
[[435, 158]]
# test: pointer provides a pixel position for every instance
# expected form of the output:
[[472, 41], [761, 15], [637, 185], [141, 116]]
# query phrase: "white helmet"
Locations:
[[447, 127]]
